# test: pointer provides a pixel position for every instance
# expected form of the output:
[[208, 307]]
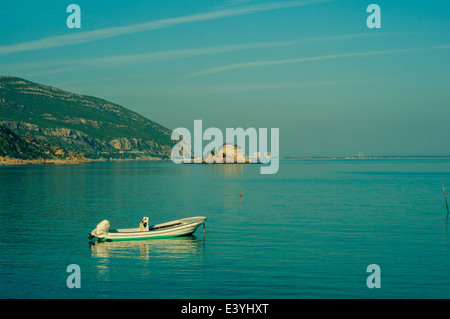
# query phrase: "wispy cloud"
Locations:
[[233, 3], [90, 36], [55, 66], [47, 67], [245, 87], [254, 64]]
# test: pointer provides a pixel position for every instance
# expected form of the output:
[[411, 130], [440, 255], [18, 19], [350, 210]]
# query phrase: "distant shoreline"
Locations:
[[5, 161], [306, 158]]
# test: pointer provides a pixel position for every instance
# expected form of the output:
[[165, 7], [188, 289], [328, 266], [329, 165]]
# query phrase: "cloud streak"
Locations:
[[245, 87], [56, 66], [254, 64], [91, 36], [62, 65]]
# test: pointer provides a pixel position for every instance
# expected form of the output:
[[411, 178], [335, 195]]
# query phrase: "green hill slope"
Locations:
[[14, 146], [77, 123]]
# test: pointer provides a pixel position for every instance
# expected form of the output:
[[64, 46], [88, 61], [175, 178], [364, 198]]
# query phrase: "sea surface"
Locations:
[[309, 231]]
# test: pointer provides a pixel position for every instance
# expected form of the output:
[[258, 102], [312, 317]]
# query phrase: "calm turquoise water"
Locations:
[[309, 231]]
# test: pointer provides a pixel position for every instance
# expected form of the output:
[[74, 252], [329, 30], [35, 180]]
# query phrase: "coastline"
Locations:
[[382, 157], [6, 161]]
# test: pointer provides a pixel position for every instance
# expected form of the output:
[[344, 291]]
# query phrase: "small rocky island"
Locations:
[[227, 154]]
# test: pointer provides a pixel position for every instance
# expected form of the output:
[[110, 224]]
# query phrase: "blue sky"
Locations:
[[311, 68]]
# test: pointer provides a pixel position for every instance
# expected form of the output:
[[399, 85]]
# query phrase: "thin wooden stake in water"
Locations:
[[204, 231], [445, 197]]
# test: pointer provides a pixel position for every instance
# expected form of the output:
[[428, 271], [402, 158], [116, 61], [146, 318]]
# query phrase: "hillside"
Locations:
[[15, 149], [81, 124]]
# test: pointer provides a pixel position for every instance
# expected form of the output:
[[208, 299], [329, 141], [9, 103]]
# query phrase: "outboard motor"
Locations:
[[101, 230], [143, 225]]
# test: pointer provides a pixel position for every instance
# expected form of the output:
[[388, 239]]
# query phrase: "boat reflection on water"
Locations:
[[176, 247]]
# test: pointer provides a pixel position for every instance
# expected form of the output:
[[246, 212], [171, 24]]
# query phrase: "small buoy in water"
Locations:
[[241, 195]]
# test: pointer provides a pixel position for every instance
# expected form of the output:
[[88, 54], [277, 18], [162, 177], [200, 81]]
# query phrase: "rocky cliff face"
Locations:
[[15, 149], [81, 124]]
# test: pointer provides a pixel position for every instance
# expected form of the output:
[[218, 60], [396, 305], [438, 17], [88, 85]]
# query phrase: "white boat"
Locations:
[[175, 228]]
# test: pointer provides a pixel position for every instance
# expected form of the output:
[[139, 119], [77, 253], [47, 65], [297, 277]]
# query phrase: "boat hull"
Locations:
[[177, 228]]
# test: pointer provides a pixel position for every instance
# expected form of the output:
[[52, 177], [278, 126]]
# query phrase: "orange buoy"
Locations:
[[241, 195]]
